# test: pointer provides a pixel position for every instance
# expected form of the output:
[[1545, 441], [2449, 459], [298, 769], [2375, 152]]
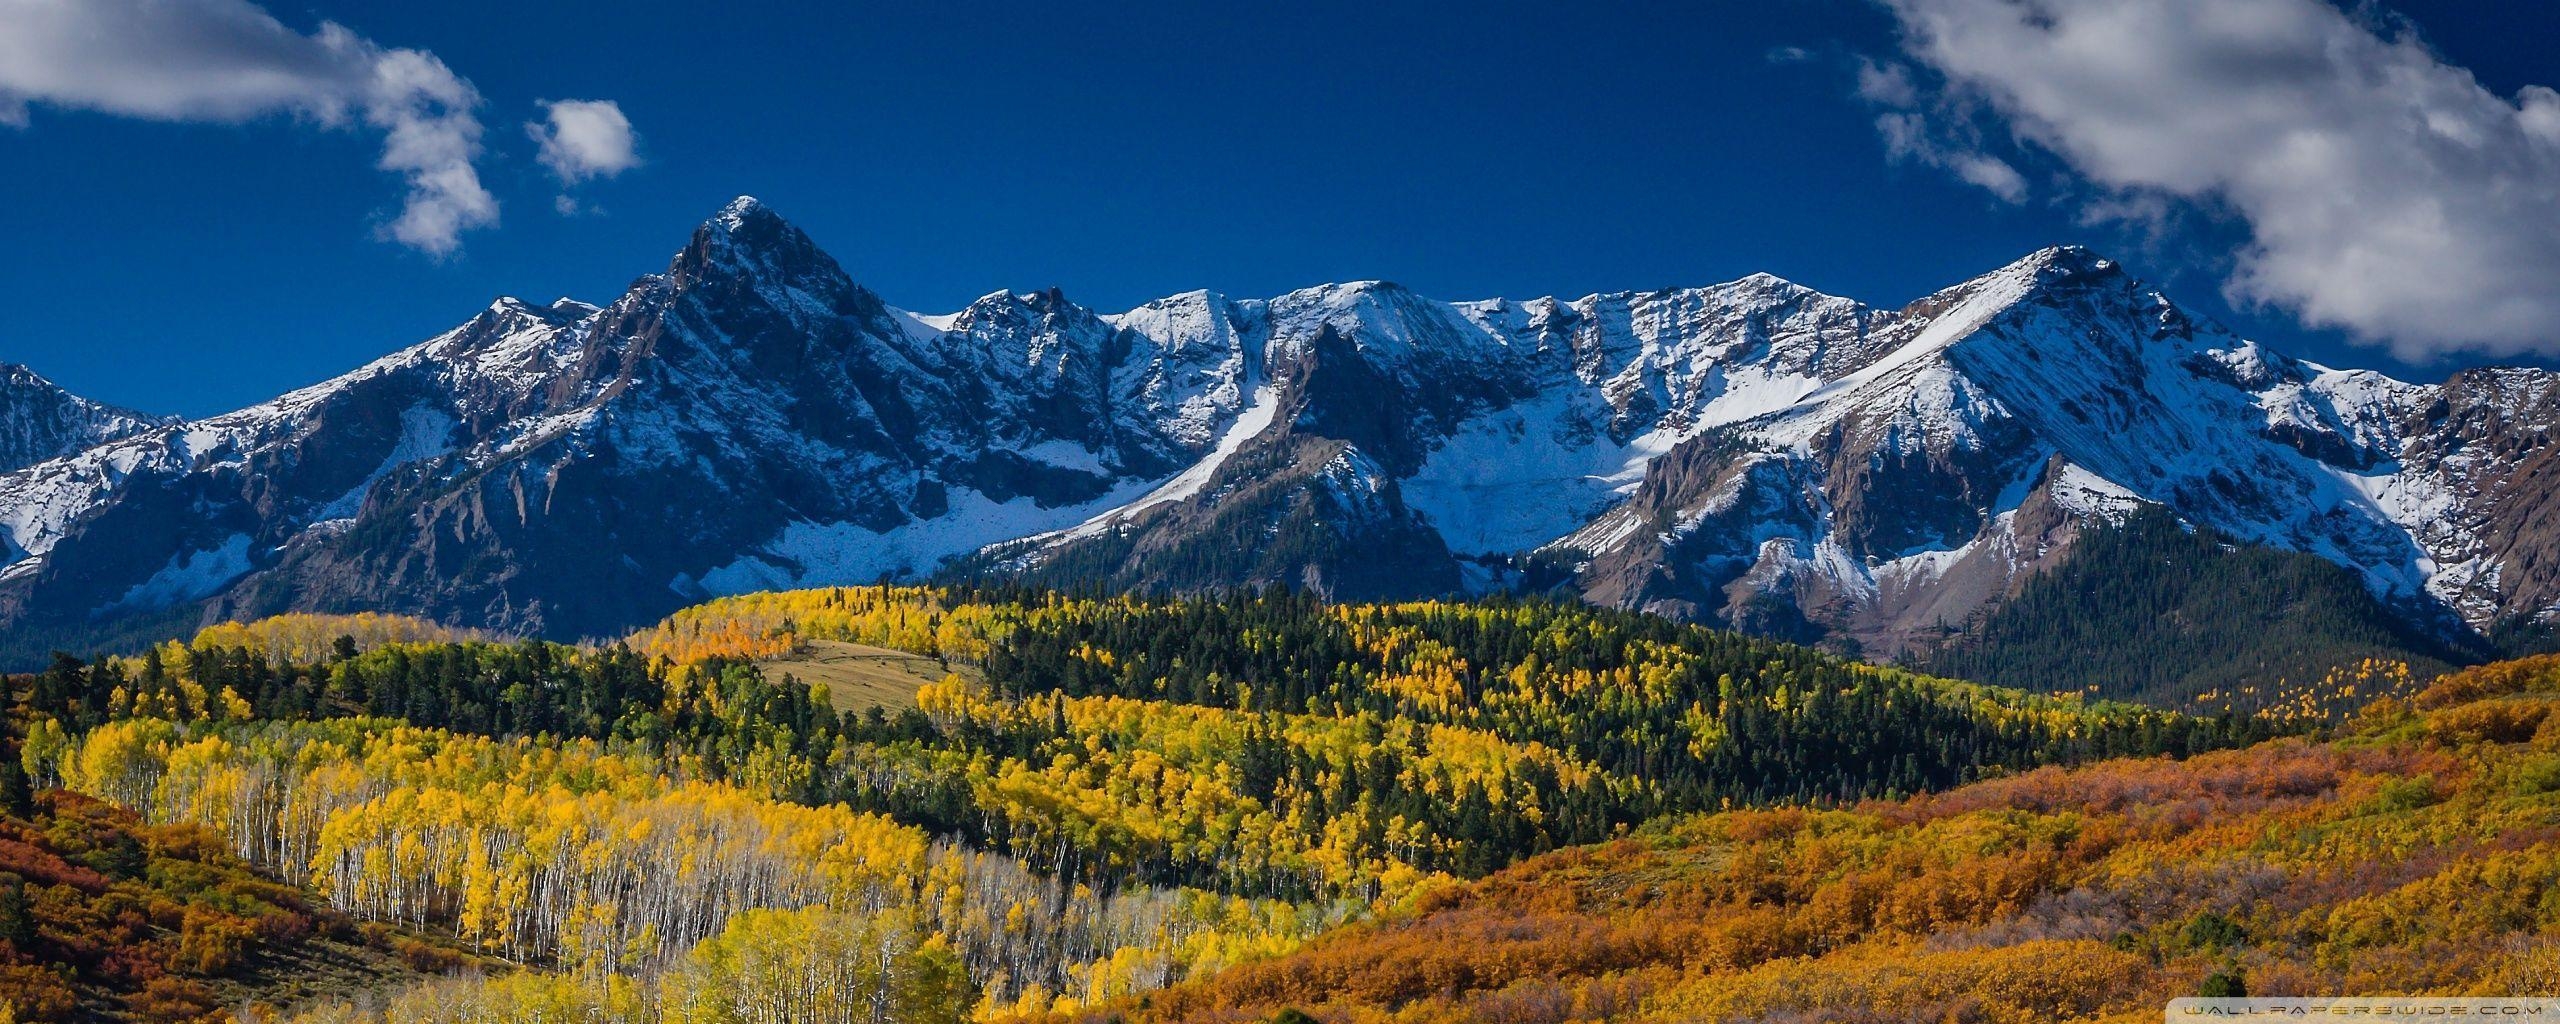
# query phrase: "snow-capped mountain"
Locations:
[[40, 420], [1752, 452]]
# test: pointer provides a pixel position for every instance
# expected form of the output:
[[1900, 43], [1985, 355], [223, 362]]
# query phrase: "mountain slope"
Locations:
[[40, 420], [1102, 796], [1753, 453], [2153, 612], [2054, 394], [2414, 857], [746, 417], [104, 917]]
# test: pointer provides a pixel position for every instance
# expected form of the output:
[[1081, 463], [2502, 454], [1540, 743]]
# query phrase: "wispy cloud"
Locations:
[[581, 140], [230, 61], [1886, 83], [2385, 191], [1948, 143]]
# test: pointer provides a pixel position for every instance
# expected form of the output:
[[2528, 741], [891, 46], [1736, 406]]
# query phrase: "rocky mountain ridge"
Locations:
[[1753, 453], [42, 420]]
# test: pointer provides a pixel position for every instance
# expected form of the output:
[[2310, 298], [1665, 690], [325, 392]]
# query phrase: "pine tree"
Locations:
[[17, 921], [17, 798]]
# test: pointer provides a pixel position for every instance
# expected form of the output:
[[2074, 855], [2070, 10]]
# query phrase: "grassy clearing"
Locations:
[[859, 676]]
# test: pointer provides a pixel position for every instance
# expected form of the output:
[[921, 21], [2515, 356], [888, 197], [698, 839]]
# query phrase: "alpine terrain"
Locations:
[[39, 420], [1753, 453]]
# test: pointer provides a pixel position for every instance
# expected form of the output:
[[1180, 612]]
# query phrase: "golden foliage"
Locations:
[[309, 638], [2417, 855], [566, 854], [749, 627]]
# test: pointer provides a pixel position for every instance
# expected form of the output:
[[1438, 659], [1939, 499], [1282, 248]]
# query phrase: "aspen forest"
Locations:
[[2417, 851], [1103, 807]]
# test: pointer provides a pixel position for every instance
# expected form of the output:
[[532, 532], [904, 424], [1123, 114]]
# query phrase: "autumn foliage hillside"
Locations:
[[1104, 797], [2420, 853], [103, 917]]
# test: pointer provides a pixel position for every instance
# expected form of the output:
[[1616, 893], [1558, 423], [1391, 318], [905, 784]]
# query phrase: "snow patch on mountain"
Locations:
[[187, 577], [1512, 480], [425, 433], [1255, 419], [1198, 371], [1390, 326], [2092, 496], [834, 554], [1357, 485], [1783, 560]]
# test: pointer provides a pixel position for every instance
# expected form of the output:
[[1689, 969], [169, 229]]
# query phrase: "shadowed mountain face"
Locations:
[[1752, 453]]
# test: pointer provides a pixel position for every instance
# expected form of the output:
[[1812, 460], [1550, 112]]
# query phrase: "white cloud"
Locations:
[[584, 139], [1907, 136], [228, 61], [1886, 83], [1945, 141], [2385, 191]]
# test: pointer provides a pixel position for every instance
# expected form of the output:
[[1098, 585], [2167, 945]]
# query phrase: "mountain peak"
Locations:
[[2063, 262], [40, 419], [2045, 276], [510, 310], [747, 240], [1760, 289], [747, 222], [741, 210]]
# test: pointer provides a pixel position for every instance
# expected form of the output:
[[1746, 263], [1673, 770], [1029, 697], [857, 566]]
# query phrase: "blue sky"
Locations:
[[196, 261]]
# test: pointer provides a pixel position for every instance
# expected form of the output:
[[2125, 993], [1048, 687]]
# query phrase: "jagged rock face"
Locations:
[[2482, 478], [1909, 493], [1753, 453], [749, 417], [39, 420], [1300, 492]]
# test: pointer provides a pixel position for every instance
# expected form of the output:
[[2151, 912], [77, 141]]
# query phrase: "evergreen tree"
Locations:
[[17, 923]]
